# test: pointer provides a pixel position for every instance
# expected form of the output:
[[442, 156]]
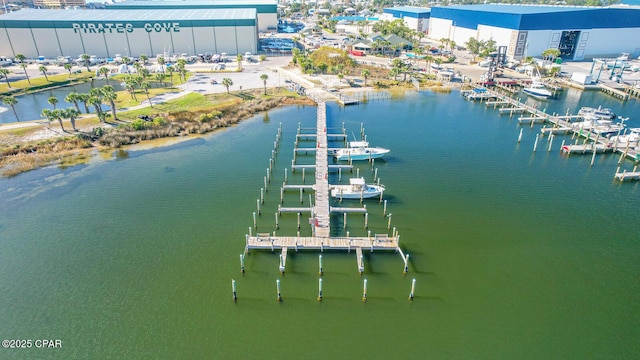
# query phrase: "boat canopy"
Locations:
[[356, 144]]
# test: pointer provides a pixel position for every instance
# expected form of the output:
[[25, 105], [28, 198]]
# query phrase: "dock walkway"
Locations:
[[320, 220]]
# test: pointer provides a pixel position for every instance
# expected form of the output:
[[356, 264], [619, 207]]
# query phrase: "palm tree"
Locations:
[[161, 61], [239, 60], [130, 84], [429, 59], [110, 95], [68, 67], [5, 74], [11, 101], [71, 114], [73, 98], [21, 58], [85, 100], [104, 71], [170, 69], [264, 78], [226, 82], [53, 101], [95, 99], [145, 87], [49, 114], [365, 74], [126, 60], [58, 115], [144, 58], [43, 70], [85, 59], [160, 78]]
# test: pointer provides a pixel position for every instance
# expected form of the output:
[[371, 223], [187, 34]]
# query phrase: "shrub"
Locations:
[[138, 124]]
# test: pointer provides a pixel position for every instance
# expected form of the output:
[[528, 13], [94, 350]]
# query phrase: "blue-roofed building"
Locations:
[[416, 18], [527, 30]]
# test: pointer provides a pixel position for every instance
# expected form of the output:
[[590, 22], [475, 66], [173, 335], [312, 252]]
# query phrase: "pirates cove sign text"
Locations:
[[102, 28]]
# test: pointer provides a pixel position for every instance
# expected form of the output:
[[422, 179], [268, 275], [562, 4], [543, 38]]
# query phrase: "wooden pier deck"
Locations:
[[319, 212]]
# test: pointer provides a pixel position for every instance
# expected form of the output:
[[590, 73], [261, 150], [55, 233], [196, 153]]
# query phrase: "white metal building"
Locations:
[[416, 18], [527, 30], [267, 10], [104, 33]]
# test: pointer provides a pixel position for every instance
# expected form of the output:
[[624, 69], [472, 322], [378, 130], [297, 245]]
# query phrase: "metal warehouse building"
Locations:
[[104, 33], [267, 10], [578, 32], [416, 18]]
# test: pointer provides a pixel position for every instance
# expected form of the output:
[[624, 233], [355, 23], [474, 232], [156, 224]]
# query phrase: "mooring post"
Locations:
[[268, 177], [384, 208], [258, 205], [320, 289], [364, 290], [298, 220], [389, 222], [262, 195], [303, 175], [339, 174], [413, 289], [520, 135], [281, 267], [320, 271], [300, 195], [278, 289], [255, 223], [358, 172], [366, 220], [406, 264], [535, 144], [344, 221], [550, 142], [375, 174], [285, 175], [233, 287], [242, 263], [281, 195]]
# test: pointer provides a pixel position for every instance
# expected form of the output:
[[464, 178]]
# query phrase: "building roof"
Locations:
[[408, 11], [261, 6], [539, 17], [35, 15]]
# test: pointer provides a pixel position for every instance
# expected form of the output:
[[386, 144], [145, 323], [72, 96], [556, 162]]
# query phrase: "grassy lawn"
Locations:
[[41, 82]]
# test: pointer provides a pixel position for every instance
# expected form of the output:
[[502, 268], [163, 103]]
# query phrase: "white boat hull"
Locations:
[[360, 154], [346, 192]]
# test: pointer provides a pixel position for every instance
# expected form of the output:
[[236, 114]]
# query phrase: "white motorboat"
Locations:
[[599, 126], [537, 89], [357, 189], [589, 113], [360, 150], [631, 139]]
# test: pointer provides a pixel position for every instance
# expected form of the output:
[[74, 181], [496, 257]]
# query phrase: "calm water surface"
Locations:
[[516, 254]]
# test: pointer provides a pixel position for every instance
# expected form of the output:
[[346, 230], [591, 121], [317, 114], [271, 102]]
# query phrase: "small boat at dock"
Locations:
[[537, 89], [589, 113], [360, 150], [357, 189]]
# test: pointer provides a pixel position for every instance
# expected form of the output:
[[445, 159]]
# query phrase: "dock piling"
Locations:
[[366, 220], [255, 223], [364, 290], [384, 208], [258, 205], [389, 221], [320, 271], [320, 289], [233, 287], [520, 135], [550, 142], [406, 264], [242, 263], [279, 298], [535, 144], [413, 289], [262, 195]]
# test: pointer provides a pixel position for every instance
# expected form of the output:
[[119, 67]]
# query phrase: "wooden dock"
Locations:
[[625, 175], [562, 123], [319, 212], [614, 92]]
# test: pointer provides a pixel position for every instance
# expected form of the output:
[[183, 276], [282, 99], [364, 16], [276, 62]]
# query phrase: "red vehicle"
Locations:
[[357, 53]]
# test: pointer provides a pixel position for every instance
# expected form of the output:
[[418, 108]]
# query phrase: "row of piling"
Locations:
[[365, 289]]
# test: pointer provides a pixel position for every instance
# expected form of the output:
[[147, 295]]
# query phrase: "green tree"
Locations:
[[226, 82], [161, 62], [264, 78], [84, 98], [73, 97], [71, 114], [49, 114], [5, 74], [550, 54], [21, 58], [365, 74], [85, 60], [474, 46], [160, 79], [144, 58], [11, 101], [145, 87], [95, 99], [110, 95], [68, 67], [104, 71], [239, 60], [43, 69], [53, 101]]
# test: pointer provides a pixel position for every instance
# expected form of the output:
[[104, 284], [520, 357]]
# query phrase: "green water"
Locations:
[[516, 254]]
